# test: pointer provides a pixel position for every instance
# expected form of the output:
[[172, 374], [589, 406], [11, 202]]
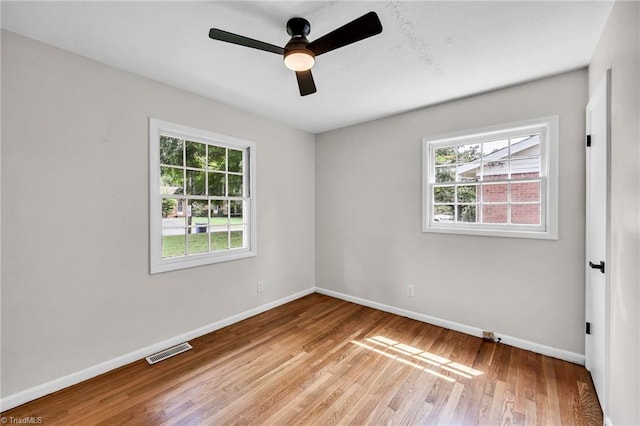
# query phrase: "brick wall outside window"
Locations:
[[521, 192]]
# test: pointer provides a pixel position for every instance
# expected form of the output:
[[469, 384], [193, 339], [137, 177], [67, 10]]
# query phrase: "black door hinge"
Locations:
[[588, 140], [588, 328]]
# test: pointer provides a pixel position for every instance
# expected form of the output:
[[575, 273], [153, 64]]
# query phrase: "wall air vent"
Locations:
[[168, 353]]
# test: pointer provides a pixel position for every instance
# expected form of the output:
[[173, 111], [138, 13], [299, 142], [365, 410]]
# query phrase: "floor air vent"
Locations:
[[168, 353]]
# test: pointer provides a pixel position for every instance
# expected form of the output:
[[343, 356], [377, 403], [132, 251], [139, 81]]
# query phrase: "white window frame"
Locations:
[[548, 129], [159, 264]]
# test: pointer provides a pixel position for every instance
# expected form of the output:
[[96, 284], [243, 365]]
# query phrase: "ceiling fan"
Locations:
[[300, 54]]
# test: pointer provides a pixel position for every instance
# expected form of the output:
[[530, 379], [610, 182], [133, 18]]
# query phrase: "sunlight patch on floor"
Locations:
[[408, 355]]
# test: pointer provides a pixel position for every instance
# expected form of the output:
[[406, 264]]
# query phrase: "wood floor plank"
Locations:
[[589, 403], [479, 404], [324, 361]]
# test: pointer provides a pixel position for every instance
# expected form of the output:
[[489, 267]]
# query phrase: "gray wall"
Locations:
[[369, 242], [75, 284], [619, 49]]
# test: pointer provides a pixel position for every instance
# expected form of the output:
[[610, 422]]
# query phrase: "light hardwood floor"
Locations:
[[320, 360]]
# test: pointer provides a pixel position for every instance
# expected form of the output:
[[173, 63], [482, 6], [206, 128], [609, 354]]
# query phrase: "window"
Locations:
[[497, 181], [202, 197]]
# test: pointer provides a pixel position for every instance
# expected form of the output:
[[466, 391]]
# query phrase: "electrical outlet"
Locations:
[[260, 286], [410, 291], [488, 335]]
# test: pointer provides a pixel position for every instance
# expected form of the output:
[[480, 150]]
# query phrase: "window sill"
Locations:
[[484, 232], [177, 263]]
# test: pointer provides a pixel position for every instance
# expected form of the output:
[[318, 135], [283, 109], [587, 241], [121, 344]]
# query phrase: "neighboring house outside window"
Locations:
[[202, 197], [499, 181]]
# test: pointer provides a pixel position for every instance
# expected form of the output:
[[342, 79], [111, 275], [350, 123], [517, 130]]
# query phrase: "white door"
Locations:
[[597, 211]]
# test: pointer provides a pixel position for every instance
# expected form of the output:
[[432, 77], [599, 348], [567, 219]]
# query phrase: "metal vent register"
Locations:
[[168, 353]]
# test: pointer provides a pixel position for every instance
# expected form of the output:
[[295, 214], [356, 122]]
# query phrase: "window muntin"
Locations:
[[202, 197], [495, 181]]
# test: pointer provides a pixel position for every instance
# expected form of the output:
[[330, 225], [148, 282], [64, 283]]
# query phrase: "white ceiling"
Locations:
[[428, 52]]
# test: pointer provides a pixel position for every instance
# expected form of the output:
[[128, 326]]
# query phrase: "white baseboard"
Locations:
[[463, 328], [55, 385]]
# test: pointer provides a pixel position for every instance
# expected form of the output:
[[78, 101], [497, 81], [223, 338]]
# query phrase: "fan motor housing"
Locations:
[[298, 44]]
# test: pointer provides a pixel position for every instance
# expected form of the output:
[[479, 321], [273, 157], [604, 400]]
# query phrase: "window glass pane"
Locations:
[[173, 233], [494, 192], [469, 153], [217, 159], [467, 193], [196, 154], [173, 242], [525, 214], [443, 194], [495, 170], [170, 151], [171, 181], [494, 213], [237, 239], [445, 155], [525, 191], [169, 209], [198, 240], [216, 184], [219, 238], [525, 167], [528, 146], [466, 213], [173, 218], [495, 159], [195, 182], [445, 174], [235, 161], [469, 172], [443, 213], [515, 141], [235, 185], [219, 212], [198, 211], [496, 149], [236, 212]]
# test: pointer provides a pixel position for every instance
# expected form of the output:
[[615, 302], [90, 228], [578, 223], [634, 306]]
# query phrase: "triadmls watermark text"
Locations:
[[27, 420]]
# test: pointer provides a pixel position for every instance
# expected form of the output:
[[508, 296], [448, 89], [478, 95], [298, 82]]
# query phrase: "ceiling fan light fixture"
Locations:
[[299, 54], [299, 60]]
